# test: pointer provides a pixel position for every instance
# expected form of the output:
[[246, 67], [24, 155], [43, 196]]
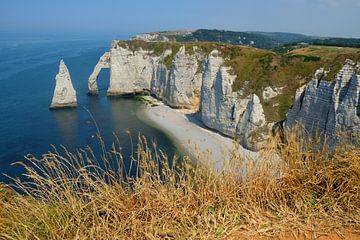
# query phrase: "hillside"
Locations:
[[254, 39], [264, 40], [258, 69]]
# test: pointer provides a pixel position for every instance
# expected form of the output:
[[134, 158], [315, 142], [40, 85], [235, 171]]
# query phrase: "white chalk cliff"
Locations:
[[203, 82], [227, 111], [191, 81], [141, 70], [64, 93], [184, 83], [329, 107], [131, 71]]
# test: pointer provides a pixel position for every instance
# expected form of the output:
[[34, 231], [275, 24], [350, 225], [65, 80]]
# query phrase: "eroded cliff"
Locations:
[[327, 108], [241, 92]]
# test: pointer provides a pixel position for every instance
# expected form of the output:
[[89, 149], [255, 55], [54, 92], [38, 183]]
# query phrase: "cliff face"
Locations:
[[130, 71], [329, 107], [226, 111], [201, 78], [64, 93], [184, 82], [190, 80], [136, 71]]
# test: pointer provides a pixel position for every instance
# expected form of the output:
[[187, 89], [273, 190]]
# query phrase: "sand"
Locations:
[[190, 135]]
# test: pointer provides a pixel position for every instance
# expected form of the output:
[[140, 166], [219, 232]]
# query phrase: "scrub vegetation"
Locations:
[[292, 191]]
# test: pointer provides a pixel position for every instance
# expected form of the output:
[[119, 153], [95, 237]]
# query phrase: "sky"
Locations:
[[119, 18]]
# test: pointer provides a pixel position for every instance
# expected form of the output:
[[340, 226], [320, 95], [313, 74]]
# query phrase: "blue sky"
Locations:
[[120, 17]]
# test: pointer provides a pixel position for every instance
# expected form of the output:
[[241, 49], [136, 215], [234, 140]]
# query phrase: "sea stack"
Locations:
[[64, 93]]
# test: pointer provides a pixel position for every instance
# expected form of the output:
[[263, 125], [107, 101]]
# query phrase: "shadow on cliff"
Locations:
[[196, 119]]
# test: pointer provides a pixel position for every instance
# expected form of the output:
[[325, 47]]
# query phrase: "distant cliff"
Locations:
[[264, 40], [241, 92]]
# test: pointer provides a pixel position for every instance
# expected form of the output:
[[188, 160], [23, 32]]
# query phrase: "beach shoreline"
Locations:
[[190, 135]]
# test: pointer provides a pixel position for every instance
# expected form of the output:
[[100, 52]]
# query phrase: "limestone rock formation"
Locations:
[[104, 62], [320, 74], [230, 112], [151, 37], [328, 107], [131, 71], [159, 83], [220, 107], [184, 83], [162, 36], [64, 93], [270, 93], [253, 130], [192, 81], [189, 78], [136, 71]]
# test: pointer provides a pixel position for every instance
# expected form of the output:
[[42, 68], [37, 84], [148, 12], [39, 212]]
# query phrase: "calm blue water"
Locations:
[[27, 78]]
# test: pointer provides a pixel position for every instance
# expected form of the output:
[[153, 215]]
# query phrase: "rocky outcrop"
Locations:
[[220, 107], [189, 78], [131, 71], [159, 83], [253, 130], [162, 36], [327, 108], [189, 84], [142, 70], [64, 93], [104, 62], [226, 111], [270, 93], [184, 83], [151, 37], [346, 99]]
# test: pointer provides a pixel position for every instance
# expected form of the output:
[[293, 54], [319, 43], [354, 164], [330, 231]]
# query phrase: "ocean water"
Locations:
[[27, 126]]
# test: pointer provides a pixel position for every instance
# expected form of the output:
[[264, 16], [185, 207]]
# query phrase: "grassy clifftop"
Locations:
[[257, 68]]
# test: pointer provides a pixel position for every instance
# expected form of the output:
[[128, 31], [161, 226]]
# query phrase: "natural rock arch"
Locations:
[[104, 62]]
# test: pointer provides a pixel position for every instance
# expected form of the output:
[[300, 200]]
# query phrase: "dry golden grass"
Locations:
[[75, 196]]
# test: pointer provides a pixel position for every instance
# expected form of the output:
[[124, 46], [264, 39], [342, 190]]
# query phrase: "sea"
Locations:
[[27, 126]]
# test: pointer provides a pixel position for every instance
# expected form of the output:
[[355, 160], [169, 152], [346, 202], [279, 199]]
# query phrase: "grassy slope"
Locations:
[[263, 40], [257, 68], [290, 71]]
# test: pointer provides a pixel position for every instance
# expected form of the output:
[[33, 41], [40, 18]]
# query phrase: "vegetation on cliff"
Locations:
[[255, 39], [264, 40], [76, 196], [257, 69]]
